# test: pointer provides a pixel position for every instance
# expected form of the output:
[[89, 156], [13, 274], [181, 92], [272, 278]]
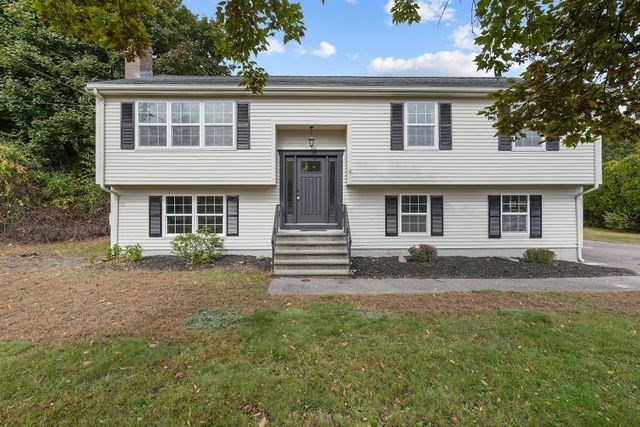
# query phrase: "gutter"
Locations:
[[597, 171]]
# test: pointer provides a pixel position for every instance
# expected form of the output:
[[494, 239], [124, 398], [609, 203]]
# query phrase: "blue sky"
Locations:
[[356, 37]]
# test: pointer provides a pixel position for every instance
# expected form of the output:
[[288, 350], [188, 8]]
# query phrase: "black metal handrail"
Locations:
[[274, 234], [347, 229]]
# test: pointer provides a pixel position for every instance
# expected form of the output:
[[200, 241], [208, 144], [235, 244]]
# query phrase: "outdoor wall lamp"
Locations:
[[311, 139]]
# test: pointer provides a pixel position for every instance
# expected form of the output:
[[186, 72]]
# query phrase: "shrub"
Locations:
[[620, 220], [424, 253], [113, 252], [539, 256], [201, 247], [133, 253]]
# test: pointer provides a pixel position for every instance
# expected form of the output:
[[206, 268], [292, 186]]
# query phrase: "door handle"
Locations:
[[298, 197]]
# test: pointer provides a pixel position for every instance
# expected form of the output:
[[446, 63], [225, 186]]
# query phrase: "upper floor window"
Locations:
[[515, 213], [530, 140], [421, 124], [152, 124], [186, 124], [218, 124], [413, 213]]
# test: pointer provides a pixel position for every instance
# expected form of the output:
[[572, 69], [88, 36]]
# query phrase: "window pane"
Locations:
[[289, 175], [179, 205], [311, 166], [185, 112], [420, 136], [514, 204], [414, 223], [218, 136], [414, 204], [531, 139], [153, 136], [152, 112], [218, 112], [185, 136], [421, 113], [514, 223], [210, 205], [213, 222], [179, 224]]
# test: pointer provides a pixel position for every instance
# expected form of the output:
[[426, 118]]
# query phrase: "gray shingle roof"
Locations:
[[322, 81]]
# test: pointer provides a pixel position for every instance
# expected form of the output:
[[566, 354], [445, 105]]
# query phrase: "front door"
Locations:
[[311, 189]]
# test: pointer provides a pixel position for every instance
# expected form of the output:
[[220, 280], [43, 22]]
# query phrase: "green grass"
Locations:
[[605, 235], [331, 363]]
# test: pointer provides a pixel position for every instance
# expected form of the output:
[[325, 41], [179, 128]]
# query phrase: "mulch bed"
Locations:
[[475, 268], [175, 263]]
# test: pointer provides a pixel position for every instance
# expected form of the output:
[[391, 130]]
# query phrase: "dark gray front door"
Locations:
[[311, 197]]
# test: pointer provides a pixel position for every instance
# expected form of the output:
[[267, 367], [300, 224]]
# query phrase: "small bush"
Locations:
[[539, 256], [113, 252], [620, 220], [424, 253], [201, 247], [133, 253]]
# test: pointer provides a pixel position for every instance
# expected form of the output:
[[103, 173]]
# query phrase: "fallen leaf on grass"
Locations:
[[292, 348]]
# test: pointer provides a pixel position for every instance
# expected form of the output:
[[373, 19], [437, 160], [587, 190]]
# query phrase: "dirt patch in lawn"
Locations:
[[476, 268]]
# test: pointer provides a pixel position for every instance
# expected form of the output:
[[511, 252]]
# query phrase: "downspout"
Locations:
[[597, 170], [113, 217]]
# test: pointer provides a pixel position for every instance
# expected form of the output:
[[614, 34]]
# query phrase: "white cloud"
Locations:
[[463, 38], [274, 46], [353, 1], [443, 63], [352, 56], [325, 50], [431, 10]]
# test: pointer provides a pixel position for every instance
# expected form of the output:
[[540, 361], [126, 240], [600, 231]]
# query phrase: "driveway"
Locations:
[[613, 254]]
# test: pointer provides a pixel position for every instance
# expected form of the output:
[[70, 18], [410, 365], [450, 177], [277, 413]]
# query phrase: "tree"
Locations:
[[582, 57]]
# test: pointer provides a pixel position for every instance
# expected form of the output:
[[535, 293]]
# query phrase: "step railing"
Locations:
[[347, 230], [274, 235]]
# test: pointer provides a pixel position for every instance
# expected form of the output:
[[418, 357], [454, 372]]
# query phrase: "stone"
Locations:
[[402, 260]]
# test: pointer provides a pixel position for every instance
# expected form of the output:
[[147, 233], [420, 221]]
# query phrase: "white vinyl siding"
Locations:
[[421, 118], [515, 213], [414, 213]]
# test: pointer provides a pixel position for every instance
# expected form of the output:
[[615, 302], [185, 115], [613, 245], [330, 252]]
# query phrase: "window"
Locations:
[[530, 140], [185, 124], [186, 214], [421, 124], [515, 214], [210, 212], [413, 213], [152, 124], [218, 120], [179, 214]]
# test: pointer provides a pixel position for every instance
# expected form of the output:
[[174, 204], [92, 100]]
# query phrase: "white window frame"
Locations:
[[537, 147], [165, 124], [198, 125], [169, 125], [434, 125], [194, 212], [233, 124], [400, 216], [527, 215]]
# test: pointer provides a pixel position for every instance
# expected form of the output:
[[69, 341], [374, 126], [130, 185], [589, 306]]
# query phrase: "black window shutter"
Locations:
[[243, 134], [495, 230], [445, 140], [232, 215], [553, 145], [535, 218], [397, 126], [391, 215], [127, 128], [437, 217], [504, 141], [155, 216]]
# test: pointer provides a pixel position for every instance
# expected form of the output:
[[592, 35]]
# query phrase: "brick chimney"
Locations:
[[139, 68]]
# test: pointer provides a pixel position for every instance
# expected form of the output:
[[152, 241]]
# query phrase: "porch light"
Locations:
[[311, 139]]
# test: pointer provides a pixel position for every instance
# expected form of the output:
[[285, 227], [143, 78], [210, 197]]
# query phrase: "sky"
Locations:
[[357, 38]]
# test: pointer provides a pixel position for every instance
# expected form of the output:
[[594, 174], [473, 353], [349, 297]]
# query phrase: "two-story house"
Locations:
[[317, 161]]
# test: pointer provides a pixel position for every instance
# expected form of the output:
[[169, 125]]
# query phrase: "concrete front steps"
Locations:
[[311, 253]]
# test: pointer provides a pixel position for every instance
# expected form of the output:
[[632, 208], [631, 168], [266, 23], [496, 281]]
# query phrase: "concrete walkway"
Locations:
[[342, 286]]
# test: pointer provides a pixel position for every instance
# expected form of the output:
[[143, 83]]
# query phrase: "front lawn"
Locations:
[[84, 345], [604, 235]]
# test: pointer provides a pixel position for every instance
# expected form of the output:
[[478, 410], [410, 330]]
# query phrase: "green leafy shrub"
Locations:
[[539, 256], [201, 247], [617, 197], [424, 253], [213, 320], [113, 252], [132, 253]]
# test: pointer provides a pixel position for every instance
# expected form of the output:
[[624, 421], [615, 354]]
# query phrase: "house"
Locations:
[[320, 167]]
